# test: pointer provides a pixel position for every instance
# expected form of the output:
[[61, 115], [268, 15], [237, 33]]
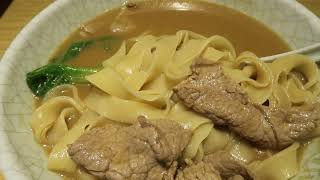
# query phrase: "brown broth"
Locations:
[[167, 17]]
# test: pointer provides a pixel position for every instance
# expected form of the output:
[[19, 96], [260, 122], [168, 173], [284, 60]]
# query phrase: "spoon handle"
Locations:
[[313, 51]]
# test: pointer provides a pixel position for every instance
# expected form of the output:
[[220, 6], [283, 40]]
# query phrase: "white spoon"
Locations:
[[312, 51]]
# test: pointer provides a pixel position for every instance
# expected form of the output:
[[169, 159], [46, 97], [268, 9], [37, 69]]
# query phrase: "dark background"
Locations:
[[4, 5]]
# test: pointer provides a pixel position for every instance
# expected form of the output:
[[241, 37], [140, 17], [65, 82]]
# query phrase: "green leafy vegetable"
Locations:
[[41, 80], [77, 47]]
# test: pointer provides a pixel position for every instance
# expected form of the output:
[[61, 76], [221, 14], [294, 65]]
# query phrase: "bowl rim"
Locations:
[[10, 57]]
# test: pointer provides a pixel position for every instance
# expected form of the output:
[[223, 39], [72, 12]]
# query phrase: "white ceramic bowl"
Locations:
[[20, 157]]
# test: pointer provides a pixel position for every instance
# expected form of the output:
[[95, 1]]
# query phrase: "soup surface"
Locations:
[[167, 17]]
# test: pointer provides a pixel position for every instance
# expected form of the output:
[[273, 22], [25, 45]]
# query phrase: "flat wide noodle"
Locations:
[[129, 75], [187, 118], [217, 140], [280, 166], [242, 151], [139, 81], [48, 122], [253, 75], [120, 110], [310, 166], [289, 89], [63, 90], [198, 136], [59, 159]]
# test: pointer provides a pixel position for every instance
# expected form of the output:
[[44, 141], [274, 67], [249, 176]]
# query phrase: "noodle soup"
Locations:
[[164, 89]]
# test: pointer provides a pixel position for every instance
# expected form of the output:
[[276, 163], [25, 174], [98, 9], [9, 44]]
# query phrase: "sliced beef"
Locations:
[[169, 138], [161, 173], [199, 171], [143, 150], [148, 150], [228, 166], [215, 95], [216, 166]]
